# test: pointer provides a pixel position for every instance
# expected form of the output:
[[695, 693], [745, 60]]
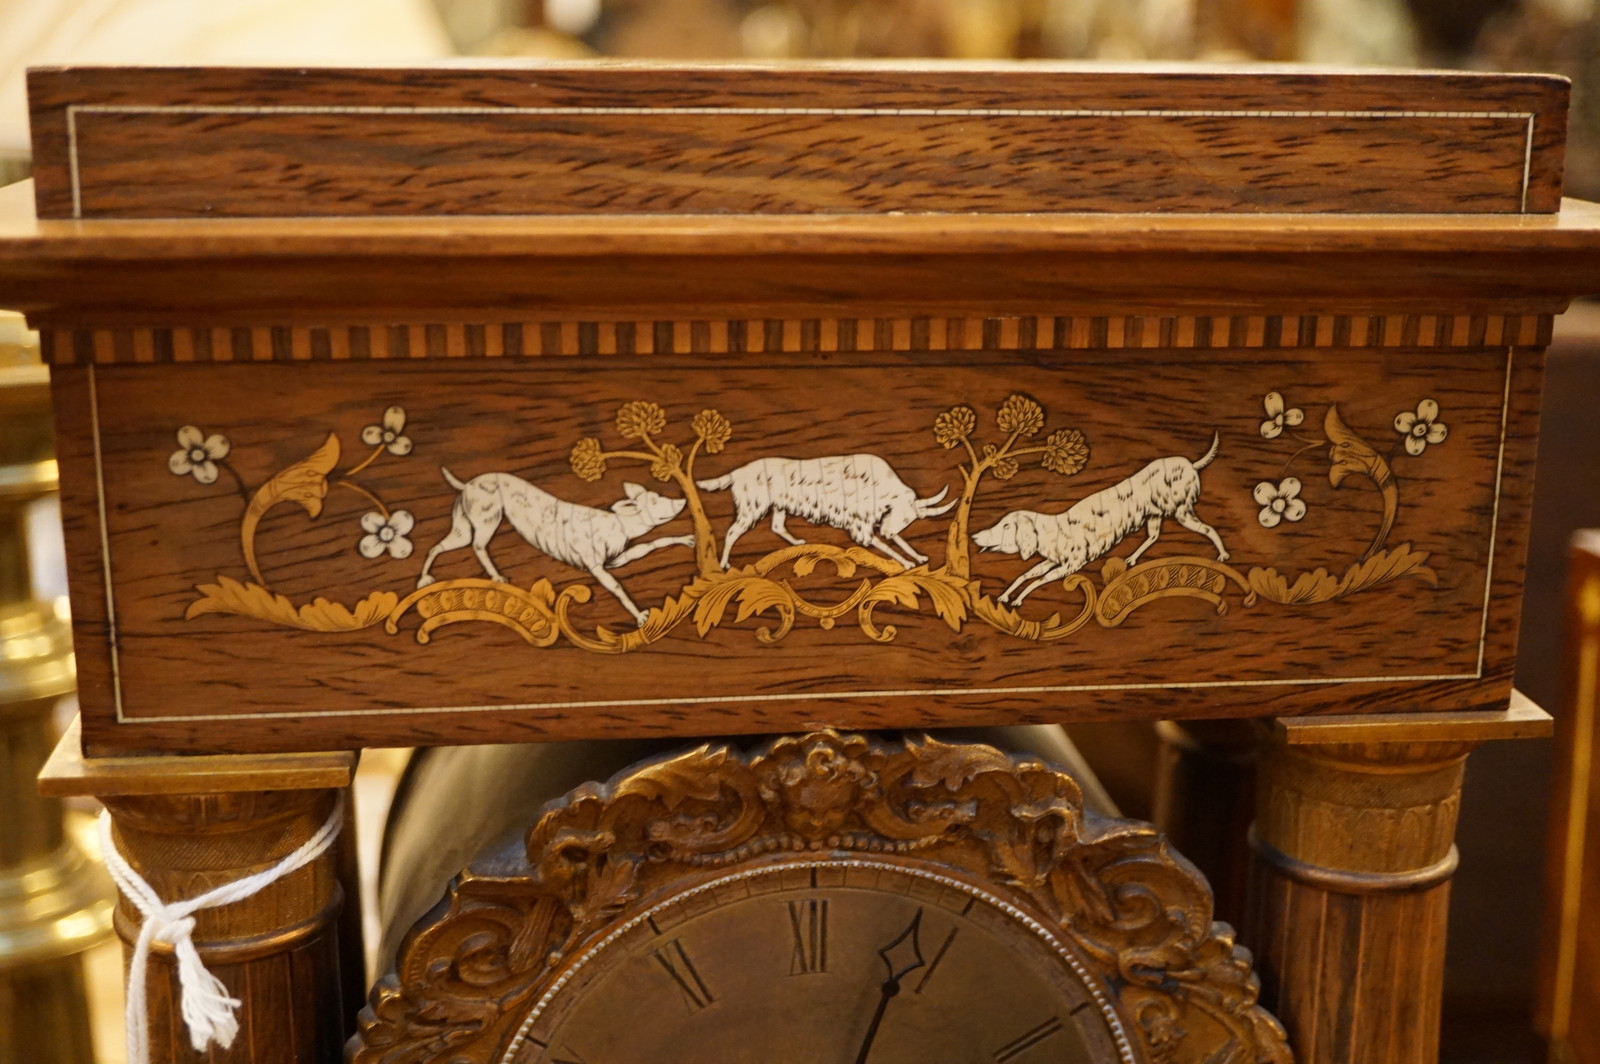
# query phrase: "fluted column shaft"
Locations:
[[1354, 849]]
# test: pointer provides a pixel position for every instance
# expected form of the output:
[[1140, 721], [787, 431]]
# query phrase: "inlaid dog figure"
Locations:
[[581, 536], [1167, 487], [858, 493]]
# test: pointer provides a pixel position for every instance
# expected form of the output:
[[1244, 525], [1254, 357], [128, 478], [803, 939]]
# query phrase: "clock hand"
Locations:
[[890, 989], [909, 959]]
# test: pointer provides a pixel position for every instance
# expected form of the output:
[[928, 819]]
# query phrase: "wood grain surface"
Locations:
[[833, 259], [263, 272], [1354, 850], [623, 139], [1449, 646]]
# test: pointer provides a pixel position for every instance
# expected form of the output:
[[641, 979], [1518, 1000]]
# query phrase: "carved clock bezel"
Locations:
[[1134, 913]]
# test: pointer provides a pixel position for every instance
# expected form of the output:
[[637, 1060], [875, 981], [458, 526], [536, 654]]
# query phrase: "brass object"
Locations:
[[725, 874], [54, 901], [1565, 910]]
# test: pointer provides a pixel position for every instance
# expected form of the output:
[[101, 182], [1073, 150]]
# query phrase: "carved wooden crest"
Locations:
[[1138, 914]]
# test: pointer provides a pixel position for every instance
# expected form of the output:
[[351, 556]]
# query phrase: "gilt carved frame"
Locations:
[[1136, 914]]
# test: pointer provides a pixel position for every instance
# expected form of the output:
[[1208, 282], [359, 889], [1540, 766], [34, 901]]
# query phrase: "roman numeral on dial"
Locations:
[[565, 1055], [808, 923], [1015, 1048], [675, 962]]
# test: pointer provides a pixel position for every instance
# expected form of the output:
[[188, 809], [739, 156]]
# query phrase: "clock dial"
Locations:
[[852, 961]]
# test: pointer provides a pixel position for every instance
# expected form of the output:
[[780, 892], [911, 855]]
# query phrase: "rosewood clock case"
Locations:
[[602, 401]]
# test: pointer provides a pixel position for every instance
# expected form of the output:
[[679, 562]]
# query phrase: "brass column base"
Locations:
[[51, 911], [54, 902]]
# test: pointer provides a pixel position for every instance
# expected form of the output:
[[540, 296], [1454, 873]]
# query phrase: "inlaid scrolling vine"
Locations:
[[860, 494]]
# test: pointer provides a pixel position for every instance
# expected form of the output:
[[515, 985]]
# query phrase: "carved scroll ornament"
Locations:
[[1137, 913]]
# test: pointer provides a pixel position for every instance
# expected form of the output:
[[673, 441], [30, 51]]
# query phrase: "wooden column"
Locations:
[[1354, 846], [188, 824]]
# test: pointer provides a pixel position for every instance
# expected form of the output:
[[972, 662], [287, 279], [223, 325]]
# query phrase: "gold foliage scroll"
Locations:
[[1320, 586], [305, 482], [771, 590], [1350, 454], [320, 615], [542, 616]]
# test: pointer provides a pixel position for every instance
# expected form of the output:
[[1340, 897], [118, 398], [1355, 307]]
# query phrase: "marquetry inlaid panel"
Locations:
[[587, 400], [429, 545]]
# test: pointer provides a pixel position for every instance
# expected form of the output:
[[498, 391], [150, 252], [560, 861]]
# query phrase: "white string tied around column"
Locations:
[[208, 1010]]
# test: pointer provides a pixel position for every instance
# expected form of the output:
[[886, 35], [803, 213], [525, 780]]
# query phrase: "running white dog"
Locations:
[[584, 537], [1167, 487], [858, 493]]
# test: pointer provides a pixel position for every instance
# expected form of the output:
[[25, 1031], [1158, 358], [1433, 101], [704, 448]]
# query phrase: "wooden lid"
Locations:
[[280, 192]]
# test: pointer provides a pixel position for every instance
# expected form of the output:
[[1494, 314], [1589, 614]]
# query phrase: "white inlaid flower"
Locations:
[[1279, 502], [388, 433], [386, 535], [1421, 428], [1278, 417], [197, 454]]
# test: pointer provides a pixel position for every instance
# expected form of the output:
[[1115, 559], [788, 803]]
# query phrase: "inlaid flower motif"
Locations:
[[640, 418], [588, 459], [667, 462], [386, 535], [1279, 502], [388, 433], [1003, 467], [1278, 416], [1065, 452], [954, 425], [1421, 428], [198, 454], [713, 429], [1020, 415]]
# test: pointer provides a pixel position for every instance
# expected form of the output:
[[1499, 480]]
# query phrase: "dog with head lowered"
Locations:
[[858, 493], [1167, 487], [583, 537]]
